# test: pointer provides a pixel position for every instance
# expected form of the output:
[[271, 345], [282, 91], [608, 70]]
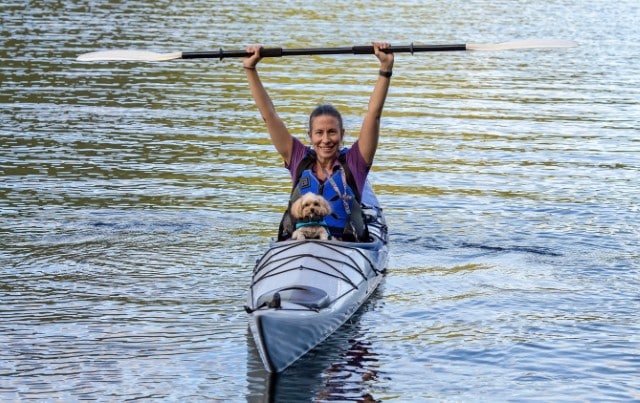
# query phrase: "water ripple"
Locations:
[[135, 198]]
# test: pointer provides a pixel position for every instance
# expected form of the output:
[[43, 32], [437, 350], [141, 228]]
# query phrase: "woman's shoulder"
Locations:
[[357, 165], [354, 155], [298, 152]]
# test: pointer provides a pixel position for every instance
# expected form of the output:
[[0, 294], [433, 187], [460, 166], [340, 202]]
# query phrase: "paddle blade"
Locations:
[[524, 44], [128, 55]]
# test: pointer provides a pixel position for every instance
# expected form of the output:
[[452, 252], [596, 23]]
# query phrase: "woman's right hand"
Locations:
[[386, 59], [251, 61]]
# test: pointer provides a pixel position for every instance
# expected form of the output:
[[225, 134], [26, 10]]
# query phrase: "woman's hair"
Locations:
[[325, 109]]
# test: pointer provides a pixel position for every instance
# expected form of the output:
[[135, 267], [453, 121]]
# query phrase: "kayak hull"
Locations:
[[302, 291]]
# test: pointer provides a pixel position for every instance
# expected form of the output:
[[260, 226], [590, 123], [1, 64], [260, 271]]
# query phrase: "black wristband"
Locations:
[[385, 73]]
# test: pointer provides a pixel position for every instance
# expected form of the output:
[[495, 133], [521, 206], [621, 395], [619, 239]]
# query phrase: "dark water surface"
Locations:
[[135, 198]]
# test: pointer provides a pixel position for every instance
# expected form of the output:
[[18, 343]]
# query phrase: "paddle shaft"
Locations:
[[355, 50]]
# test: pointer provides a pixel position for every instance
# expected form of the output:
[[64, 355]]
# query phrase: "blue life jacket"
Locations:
[[346, 221]]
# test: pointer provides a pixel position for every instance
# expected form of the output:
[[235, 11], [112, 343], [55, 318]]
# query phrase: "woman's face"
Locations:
[[326, 136]]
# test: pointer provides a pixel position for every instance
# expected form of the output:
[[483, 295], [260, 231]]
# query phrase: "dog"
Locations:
[[309, 212]]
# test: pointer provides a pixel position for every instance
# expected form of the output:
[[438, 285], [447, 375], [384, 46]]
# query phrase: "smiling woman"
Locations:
[[310, 169]]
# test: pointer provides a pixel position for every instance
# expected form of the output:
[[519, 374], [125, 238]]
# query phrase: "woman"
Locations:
[[344, 172]]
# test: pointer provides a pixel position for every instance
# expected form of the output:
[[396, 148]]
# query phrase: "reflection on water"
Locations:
[[135, 198]]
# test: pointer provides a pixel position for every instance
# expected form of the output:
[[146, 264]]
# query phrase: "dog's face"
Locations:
[[309, 206]]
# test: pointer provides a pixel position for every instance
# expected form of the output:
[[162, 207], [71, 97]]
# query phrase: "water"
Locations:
[[135, 198]]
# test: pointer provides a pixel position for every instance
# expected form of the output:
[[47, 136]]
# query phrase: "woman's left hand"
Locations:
[[252, 61]]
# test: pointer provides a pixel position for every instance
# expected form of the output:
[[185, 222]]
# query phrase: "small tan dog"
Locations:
[[309, 212]]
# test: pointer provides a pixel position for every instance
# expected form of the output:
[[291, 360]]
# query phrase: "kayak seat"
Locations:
[[309, 297]]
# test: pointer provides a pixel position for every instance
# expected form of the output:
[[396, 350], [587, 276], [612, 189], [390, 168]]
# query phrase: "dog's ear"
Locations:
[[325, 207], [296, 208]]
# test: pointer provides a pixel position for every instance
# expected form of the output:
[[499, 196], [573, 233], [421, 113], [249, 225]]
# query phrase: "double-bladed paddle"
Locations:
[[146, 56]]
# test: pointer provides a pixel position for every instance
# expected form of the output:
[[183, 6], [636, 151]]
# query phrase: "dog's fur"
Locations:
[[310, 207]]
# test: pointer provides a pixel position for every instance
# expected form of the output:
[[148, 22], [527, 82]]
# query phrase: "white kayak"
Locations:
[[302, 291]]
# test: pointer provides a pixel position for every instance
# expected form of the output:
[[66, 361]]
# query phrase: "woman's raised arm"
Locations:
[[280, 136], [370, 131]]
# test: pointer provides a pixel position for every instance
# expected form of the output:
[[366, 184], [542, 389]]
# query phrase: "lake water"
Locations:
[[135, 198]]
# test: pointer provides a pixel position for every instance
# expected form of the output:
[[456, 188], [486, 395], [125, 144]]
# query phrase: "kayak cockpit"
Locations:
[[305, 296]]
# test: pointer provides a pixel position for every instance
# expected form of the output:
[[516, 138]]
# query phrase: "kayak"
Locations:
[[302, 291]]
